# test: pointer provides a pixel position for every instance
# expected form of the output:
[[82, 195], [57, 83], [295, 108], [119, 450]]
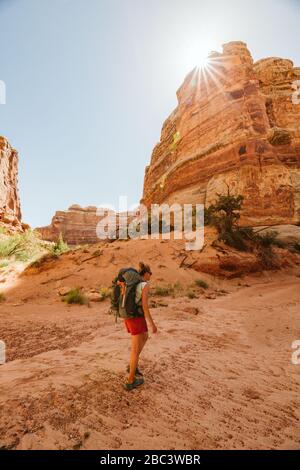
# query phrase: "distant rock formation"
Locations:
[[236, 125], [10, 210], [77, 225]]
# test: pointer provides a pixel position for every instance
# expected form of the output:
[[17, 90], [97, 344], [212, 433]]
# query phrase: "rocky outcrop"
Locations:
[[10, 211], [77, 225], [235, 125], [287, 235]]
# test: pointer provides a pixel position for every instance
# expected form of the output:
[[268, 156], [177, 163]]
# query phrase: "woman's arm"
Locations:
[[146, 310]]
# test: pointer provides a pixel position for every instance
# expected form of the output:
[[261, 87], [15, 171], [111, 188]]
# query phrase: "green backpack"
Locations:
[[123, 298]]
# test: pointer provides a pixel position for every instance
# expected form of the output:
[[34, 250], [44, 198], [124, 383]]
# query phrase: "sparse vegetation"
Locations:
[[225, 214], [176, 139], [191, 295], [297, 247], [21, 246], [60, 246], [3, 230], [163, 291], [105, 292], [174, 290], [201, 283], [2, 297], [4, 264], [75, 296]]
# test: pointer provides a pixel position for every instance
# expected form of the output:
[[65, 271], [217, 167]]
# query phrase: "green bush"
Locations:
[[264, 244], [60, 246], [267, 239], [3, 230], [225, 214], [4, 264], [297, 247], [21, 246], [75, 296], [209, 215], [201, 283], [163, 291], [191, 295], [105, 292]]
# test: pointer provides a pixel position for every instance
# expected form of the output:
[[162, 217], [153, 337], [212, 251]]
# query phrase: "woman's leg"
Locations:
[[134, 356], [137, 344], [143, 341]]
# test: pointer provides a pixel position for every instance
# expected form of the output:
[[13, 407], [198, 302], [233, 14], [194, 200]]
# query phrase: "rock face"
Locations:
[[236, 125], [10, 211], [77, 225]]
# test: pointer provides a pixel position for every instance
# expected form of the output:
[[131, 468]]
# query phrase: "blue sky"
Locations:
[[90, 82]]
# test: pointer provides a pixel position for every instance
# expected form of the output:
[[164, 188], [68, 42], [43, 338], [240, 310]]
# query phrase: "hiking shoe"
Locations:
[[137, 371], [134, 384]]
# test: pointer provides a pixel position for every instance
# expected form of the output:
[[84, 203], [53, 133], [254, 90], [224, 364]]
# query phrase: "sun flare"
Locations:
[[203, 61]]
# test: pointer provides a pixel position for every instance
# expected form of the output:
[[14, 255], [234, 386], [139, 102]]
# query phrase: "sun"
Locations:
[[195, 56], [203, 61]]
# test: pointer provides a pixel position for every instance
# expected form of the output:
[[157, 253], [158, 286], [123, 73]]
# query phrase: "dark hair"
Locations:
[[144, 268]]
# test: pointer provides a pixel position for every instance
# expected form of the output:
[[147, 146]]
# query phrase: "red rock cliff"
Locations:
[[10, 211], [235, 124]]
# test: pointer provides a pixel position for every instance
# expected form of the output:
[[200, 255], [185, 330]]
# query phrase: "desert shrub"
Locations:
[[4, 264], [177, 286], [176, 139], [225, 214], [104, 292], [3, 230], [267, 239], [191, 295], [21, 246], [163, 291], [60, 246], [263, 245], [75, 296], [236, 238], [2, 297], [201, 283], [209, 215], [296, 247]]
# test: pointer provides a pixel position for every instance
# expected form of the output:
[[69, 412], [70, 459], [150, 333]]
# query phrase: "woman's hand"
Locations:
[[154, 328]]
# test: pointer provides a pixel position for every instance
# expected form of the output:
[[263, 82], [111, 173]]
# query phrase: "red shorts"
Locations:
[[136, 326]]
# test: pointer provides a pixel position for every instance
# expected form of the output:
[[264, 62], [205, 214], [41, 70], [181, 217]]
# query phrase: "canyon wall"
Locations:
[[235, 125], [78, 225], [10, 210]]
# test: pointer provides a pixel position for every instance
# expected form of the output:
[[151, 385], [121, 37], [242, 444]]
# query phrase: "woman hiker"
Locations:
[[139, 329]]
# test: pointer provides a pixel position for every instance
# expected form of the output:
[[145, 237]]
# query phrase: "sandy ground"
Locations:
[[218, 375]]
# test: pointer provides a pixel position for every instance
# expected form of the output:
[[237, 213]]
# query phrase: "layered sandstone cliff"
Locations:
[[235, 124], [10, 211], [78, 225]]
